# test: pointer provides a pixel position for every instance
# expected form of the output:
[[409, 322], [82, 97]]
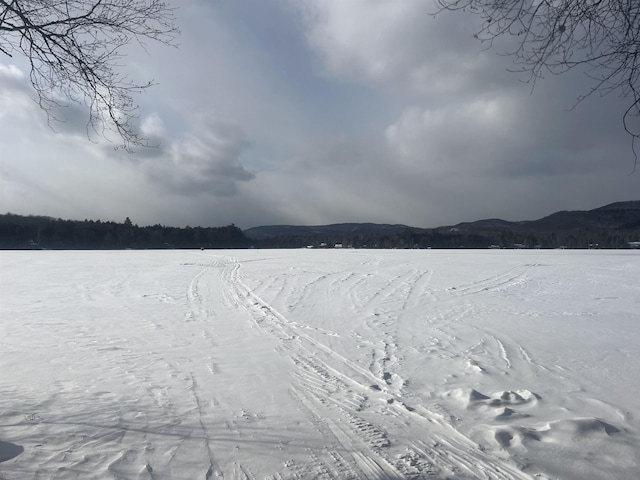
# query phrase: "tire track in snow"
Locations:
[[347, 399], [200, 309], [323, 389], [390, 313], [213, 467], [401, 293], [514, 276], [392, 289], [193, 298], [503, 352], [315, 465], [418, 287]]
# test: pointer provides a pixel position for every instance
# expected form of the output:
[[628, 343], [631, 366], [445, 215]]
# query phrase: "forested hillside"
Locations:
[[612, 226], [17, 231]]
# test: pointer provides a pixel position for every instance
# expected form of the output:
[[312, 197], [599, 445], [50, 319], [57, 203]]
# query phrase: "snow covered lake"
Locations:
[[281, 364]]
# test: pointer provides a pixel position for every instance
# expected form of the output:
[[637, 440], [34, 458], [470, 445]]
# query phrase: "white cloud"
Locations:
[[396, 44], [360, 37], [152, 126], [14, 93], [8, 72], [459, 137]]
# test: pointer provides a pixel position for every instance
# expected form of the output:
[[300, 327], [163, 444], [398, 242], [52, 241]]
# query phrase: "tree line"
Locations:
[[583, 237], [19, 232], [608, 229]]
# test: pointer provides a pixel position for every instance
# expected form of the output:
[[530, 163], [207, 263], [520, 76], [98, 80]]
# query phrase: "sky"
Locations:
[[311, 112]]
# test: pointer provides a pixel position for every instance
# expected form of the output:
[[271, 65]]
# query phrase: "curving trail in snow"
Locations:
[[319, 364]]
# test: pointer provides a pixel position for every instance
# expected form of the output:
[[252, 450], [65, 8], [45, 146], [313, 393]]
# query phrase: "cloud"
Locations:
[[14, 93], [11, 73], [461, 137], [321, 111], [205, 162], [359, 38], [398, 45], [57, 170], [19, 100], [509, 135]]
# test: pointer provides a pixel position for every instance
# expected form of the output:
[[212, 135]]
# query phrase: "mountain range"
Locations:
[[611, 226]]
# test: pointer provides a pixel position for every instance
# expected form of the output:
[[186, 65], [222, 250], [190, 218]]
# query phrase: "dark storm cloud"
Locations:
[[205, 162]]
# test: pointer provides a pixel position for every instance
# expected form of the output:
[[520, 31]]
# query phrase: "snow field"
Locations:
[[320, 364]]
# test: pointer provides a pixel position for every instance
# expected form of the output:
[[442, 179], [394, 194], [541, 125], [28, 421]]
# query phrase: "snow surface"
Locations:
[[320, 364]]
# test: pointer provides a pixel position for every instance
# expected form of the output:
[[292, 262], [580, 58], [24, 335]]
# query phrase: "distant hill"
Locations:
[[615, 216], [631, 205], [610, 226], [487, 223]]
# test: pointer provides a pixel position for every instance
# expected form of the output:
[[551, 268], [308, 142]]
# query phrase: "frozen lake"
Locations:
[[281, 364]]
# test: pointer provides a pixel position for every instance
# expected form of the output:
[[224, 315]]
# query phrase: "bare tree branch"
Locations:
[[75, 48]]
